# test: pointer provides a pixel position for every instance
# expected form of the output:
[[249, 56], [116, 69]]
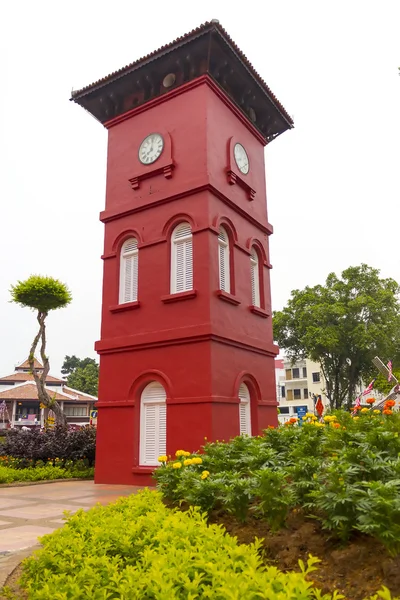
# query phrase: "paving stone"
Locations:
[[38, 511], [12, 502], [24, 536], [33, 511]]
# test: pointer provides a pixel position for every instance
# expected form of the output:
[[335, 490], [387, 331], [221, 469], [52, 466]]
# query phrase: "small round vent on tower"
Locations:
[[252, 114], [169, 80]]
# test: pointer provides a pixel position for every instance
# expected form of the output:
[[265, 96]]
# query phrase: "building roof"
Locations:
[[28, 391], [20, 377], [278, 364], [25, 365], [79, 395], [212, 52]]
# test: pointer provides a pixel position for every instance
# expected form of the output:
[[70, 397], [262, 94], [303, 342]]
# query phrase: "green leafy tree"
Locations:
[[85, 379], [71, 363], [342, 325], [42, 294]]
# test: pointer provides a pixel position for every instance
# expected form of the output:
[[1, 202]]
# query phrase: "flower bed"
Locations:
[[342, 475], [138, 548]]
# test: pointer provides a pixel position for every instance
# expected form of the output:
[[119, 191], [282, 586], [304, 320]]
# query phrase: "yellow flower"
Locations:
[[180, 453], [188, 462], [197, 460], [355, 418], [310, 415], [376, 411], [162, 458], [186, 454], [205, 474], [364, 410], [177, 465]]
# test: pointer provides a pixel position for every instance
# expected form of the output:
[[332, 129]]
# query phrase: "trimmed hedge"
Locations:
[[66, 443], [47, 473], [139, 549]]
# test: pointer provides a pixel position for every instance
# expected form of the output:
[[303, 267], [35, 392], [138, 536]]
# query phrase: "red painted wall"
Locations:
[[201, 348]]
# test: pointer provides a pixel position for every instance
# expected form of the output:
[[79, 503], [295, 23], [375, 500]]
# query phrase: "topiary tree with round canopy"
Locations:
[[42, 294]]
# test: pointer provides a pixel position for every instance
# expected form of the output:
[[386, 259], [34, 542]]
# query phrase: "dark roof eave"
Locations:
[[141, 62], [181, 41]]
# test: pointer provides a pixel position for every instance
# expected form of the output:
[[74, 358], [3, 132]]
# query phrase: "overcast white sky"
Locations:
[[333, 182]]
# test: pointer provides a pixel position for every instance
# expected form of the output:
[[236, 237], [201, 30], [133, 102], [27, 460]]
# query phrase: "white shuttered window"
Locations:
[[255, 279], [244, 410], [223, 260], [128, 279], [153, 424], [182, 259]]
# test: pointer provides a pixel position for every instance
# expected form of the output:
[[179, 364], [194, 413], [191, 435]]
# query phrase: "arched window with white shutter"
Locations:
[[153, 424], [223, 261], [244, 410], [182, 259], [255, 278], [128, 278]]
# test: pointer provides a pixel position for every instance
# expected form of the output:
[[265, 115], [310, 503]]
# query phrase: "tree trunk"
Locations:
[[40, 380]]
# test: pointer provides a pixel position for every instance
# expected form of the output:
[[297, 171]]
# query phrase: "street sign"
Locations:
[[301, 412], [93, 414]]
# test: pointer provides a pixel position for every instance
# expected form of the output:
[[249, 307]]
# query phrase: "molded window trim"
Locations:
[[224, 260], [244, 410], [153, 424], [181, 259], [129, 270]]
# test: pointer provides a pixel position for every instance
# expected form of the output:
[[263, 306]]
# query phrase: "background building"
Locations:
[[19, 393], [299, 384]]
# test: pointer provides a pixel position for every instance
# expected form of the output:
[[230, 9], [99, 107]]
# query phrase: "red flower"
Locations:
[[389, 403], [370, 400]]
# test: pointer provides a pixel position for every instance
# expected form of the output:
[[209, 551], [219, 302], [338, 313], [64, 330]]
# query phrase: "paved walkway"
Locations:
[[28, 512]]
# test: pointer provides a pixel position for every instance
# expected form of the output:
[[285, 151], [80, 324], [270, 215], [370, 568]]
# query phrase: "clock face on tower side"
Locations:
[[241, 159], [151, 148]]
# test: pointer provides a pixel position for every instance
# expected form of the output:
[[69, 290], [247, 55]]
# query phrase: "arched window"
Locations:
[[182, 259], [244, 410], [153, 424], [255, 278], [223, 260], [128, 275]]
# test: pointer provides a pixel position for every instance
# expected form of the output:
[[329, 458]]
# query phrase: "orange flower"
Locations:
[[357, 407], [389, 403], [370, 400], [387, 411], [293, 420], [335, 425]]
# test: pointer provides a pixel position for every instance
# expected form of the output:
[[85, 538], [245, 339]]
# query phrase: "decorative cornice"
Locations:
[[146, 341], [108, 216]]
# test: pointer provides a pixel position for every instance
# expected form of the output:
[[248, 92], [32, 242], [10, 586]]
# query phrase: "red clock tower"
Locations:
[[186, 348]]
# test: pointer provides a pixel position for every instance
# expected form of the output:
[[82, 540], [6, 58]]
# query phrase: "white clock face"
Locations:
[[241, 158], [151, 148]]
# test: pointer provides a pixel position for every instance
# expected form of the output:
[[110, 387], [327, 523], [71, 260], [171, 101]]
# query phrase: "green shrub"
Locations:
[[137, 549], [65, 443], [47, 472], [341, 472]]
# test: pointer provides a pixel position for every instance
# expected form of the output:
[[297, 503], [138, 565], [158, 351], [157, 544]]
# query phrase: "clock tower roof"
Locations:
[[207, 50]]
